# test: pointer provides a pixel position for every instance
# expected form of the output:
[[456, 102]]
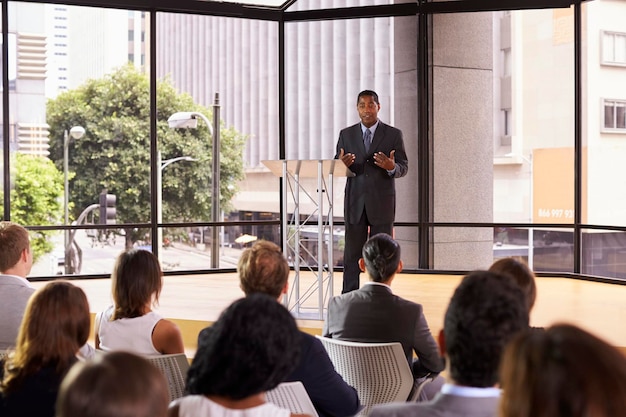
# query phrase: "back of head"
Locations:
[[381, 255], [13, 240], [252, 348], [56, 324], [521, 273], [563, 371], [136, 279], [262, 268], [116, 384], [485, 312]]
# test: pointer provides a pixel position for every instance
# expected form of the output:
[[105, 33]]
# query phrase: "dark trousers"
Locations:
[[355, 237]]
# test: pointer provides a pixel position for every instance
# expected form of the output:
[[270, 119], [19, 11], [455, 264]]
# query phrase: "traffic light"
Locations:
[[107, 208]]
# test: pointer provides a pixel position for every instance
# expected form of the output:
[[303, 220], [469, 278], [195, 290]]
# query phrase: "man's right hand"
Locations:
[[347, 158]]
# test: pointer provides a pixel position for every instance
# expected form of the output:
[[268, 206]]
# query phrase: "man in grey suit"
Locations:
[[374, 314], [374, 152], [485, 312], [16, 261]]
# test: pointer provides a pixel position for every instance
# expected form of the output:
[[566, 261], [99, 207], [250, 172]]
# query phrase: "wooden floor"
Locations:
[[194, 301]]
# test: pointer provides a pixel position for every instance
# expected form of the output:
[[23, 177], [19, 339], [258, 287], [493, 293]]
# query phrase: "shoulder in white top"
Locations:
[[200, 406], [134, 335]]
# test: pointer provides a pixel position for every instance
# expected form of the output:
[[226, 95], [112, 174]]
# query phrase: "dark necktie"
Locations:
[[367, 139]]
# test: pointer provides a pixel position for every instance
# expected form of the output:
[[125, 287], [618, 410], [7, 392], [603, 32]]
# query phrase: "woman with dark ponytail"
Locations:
[[381, 258]]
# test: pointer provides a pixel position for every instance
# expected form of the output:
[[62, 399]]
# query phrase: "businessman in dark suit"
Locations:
[[263, 269], [374, 152], [373, 314]]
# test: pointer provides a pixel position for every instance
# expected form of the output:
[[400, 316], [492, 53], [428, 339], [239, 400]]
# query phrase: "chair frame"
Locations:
[[378, 371]]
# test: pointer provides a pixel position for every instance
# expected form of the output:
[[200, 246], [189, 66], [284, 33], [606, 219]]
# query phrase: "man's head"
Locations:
[[368, 106], [485, 312], [16, 257], [381, 257], [263, 269]]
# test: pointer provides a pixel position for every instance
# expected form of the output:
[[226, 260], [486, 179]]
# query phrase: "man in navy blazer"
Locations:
[[263, 268], [374, 152]]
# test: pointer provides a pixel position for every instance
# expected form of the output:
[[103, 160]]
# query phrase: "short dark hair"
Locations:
[[382, 256], [13, 240], [485, 312], [253, 346], [562, 371], [368, 93], [136, 278], [521, 273], [263, 268], [115, 384]]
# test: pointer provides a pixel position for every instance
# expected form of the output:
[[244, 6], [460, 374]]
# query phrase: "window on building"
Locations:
[[615, 114], [614, 48]]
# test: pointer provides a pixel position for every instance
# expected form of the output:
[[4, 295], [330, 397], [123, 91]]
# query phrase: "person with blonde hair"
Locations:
[[562, 371], [116, 384], [130, 324], [55, 325]]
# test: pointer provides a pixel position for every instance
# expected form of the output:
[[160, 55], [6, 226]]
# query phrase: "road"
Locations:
[[100, 258]]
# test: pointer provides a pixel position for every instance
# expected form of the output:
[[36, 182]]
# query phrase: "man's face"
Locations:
[[368, 110]]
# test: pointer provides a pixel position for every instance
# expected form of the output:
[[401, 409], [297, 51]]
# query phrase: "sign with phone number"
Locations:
[[555, 213]]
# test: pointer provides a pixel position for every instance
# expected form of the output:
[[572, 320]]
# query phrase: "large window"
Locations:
[[512, 149]]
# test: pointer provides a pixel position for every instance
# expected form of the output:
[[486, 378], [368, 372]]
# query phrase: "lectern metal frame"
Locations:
[[291, 172]]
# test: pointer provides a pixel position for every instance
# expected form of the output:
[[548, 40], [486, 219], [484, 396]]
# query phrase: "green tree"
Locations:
[[114, 154], [36, 197]]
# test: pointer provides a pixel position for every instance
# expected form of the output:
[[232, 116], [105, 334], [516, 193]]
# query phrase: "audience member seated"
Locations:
[[16, 260], [251, 348], [374, 314], [116, 384], [130, 324], [562, 371], [485, 312], [521, 273], [263, 269], [55, 325]]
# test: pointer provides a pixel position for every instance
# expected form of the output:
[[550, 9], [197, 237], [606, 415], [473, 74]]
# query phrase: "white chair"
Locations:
[[379, 372], [174, 367], [293, 397]]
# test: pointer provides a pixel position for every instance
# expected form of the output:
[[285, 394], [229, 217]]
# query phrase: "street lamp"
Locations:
[[190, 119], [75, 132], [529, 161], [162, 165]]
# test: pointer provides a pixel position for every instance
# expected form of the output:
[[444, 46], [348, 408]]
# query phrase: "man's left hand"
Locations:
[[384, 161]]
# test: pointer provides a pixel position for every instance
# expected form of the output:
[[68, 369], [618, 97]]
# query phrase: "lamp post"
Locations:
[[162, 165], [75, 132], [190, 119]]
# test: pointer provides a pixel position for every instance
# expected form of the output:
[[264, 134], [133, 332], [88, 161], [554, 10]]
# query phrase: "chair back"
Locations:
[[379, 372], [174, 367], [293, 397]]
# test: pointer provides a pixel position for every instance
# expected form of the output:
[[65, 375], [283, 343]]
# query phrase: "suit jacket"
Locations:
[[330, 394], [443, 405], [372, 188], [14, 295], [374, 314]]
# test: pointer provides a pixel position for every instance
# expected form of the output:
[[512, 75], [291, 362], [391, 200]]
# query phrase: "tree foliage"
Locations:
[[114, 153], [36, 197]]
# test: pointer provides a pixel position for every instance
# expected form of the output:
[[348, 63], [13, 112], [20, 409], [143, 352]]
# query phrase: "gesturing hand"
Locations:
[[388, 163], [347, 158]]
